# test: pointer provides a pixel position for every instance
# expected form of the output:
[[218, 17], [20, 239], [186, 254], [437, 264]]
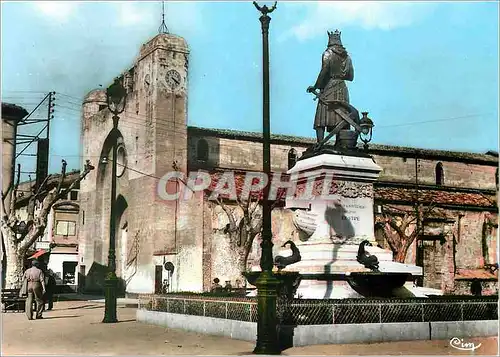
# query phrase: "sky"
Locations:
[[427, 72]]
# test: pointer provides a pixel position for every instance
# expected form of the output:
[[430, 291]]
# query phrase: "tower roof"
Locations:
[[13, 112], [96, 95], [166, 41]]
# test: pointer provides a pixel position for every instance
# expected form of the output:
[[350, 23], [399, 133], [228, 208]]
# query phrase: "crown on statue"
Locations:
[[334, 38]]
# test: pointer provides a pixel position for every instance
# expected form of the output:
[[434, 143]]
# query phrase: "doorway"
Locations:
[[81, 279], [69, 271], [158, 278]]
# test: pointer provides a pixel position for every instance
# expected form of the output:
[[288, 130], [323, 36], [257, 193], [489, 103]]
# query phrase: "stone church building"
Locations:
[[458, 245]]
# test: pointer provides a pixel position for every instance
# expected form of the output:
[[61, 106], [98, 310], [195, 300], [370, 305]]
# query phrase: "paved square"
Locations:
[[75, 328]]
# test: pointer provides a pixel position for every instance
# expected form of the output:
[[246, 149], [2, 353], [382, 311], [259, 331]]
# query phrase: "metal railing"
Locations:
[[241, 309], [319, 312]]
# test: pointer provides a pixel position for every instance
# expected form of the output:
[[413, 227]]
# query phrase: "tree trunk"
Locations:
[[400, 256], [14, 266], [241, 260]]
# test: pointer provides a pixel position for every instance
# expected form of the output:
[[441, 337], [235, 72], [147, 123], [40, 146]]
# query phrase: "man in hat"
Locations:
[[36, 289]]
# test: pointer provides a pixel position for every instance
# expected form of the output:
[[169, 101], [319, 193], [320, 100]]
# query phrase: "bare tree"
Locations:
[[40, 202], [401, 228], [243, 226]]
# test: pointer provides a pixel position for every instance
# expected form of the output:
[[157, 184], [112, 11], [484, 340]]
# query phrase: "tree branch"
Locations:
[[394, 225], [40, 222], [245, 207], [63, 176], [249, 242], [252, 211], [232, 223], [13, 199], [394, 239], [87, 168], [42, 186]]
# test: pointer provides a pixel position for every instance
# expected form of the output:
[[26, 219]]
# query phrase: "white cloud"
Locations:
[[327, 15], [180, 17], [133, 14], [185, 17], [56, 10]]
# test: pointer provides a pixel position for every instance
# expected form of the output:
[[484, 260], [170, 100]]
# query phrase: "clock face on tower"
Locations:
[[173, 78]]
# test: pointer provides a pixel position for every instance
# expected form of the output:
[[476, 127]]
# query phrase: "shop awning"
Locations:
[[38, 254]]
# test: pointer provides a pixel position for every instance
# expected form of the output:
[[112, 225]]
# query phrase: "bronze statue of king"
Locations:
[[335, 70]]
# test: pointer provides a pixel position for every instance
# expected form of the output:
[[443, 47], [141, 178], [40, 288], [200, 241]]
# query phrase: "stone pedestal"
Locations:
[[333, 210]]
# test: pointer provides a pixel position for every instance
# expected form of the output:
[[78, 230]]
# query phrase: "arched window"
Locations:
[[439, 174], [496, 178], [202, 150], [292, 158]]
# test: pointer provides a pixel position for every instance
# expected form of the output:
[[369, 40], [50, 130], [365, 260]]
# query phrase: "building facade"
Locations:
[[457, 245], [62, 230]]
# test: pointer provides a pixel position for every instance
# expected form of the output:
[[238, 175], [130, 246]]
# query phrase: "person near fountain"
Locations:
[[216, 287], [475, 288]]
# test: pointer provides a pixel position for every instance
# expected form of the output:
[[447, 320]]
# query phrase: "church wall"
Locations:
[[464, 235], [456, 174], [224, 264], [439, 259], [190, 248], [470, 252], [239, 154], [439, 262], [247, 155]]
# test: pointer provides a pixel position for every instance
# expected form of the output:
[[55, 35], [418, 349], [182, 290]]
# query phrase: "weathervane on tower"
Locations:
[[163, 27]]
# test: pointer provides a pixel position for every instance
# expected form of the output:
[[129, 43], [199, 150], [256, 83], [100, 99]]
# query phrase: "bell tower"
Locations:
[[162, 73]]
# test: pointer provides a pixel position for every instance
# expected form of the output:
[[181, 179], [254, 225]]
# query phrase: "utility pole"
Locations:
[[42, 156], [50, 111]]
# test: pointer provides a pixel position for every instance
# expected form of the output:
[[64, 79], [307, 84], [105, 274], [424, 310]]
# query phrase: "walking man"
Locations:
[[36, 289], [50, 287]]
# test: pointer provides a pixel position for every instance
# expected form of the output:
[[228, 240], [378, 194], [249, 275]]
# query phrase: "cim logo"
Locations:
[[459, 344]]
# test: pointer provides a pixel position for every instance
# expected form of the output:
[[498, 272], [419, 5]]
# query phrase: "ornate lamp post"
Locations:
[[116, 97], [267, 284]]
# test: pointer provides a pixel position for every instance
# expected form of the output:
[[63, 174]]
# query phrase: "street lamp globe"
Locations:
[[366, 124], [115, 96]]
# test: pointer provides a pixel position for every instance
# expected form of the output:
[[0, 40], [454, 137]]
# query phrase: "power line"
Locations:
[[436, 120], [80, 100], [23, 91], [469, 116], [134, 120]]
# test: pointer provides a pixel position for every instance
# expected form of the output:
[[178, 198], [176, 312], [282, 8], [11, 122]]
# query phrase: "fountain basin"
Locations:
[[288, 280], [379, 285]]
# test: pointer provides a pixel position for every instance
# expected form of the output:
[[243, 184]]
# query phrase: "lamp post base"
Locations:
[[267, 334], [110, 287]]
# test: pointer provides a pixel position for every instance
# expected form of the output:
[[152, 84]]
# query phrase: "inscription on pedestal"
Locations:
[[342, 212], [350, 220]]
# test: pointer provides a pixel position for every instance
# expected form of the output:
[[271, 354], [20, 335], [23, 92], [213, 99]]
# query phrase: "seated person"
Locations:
[[216, 287]]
